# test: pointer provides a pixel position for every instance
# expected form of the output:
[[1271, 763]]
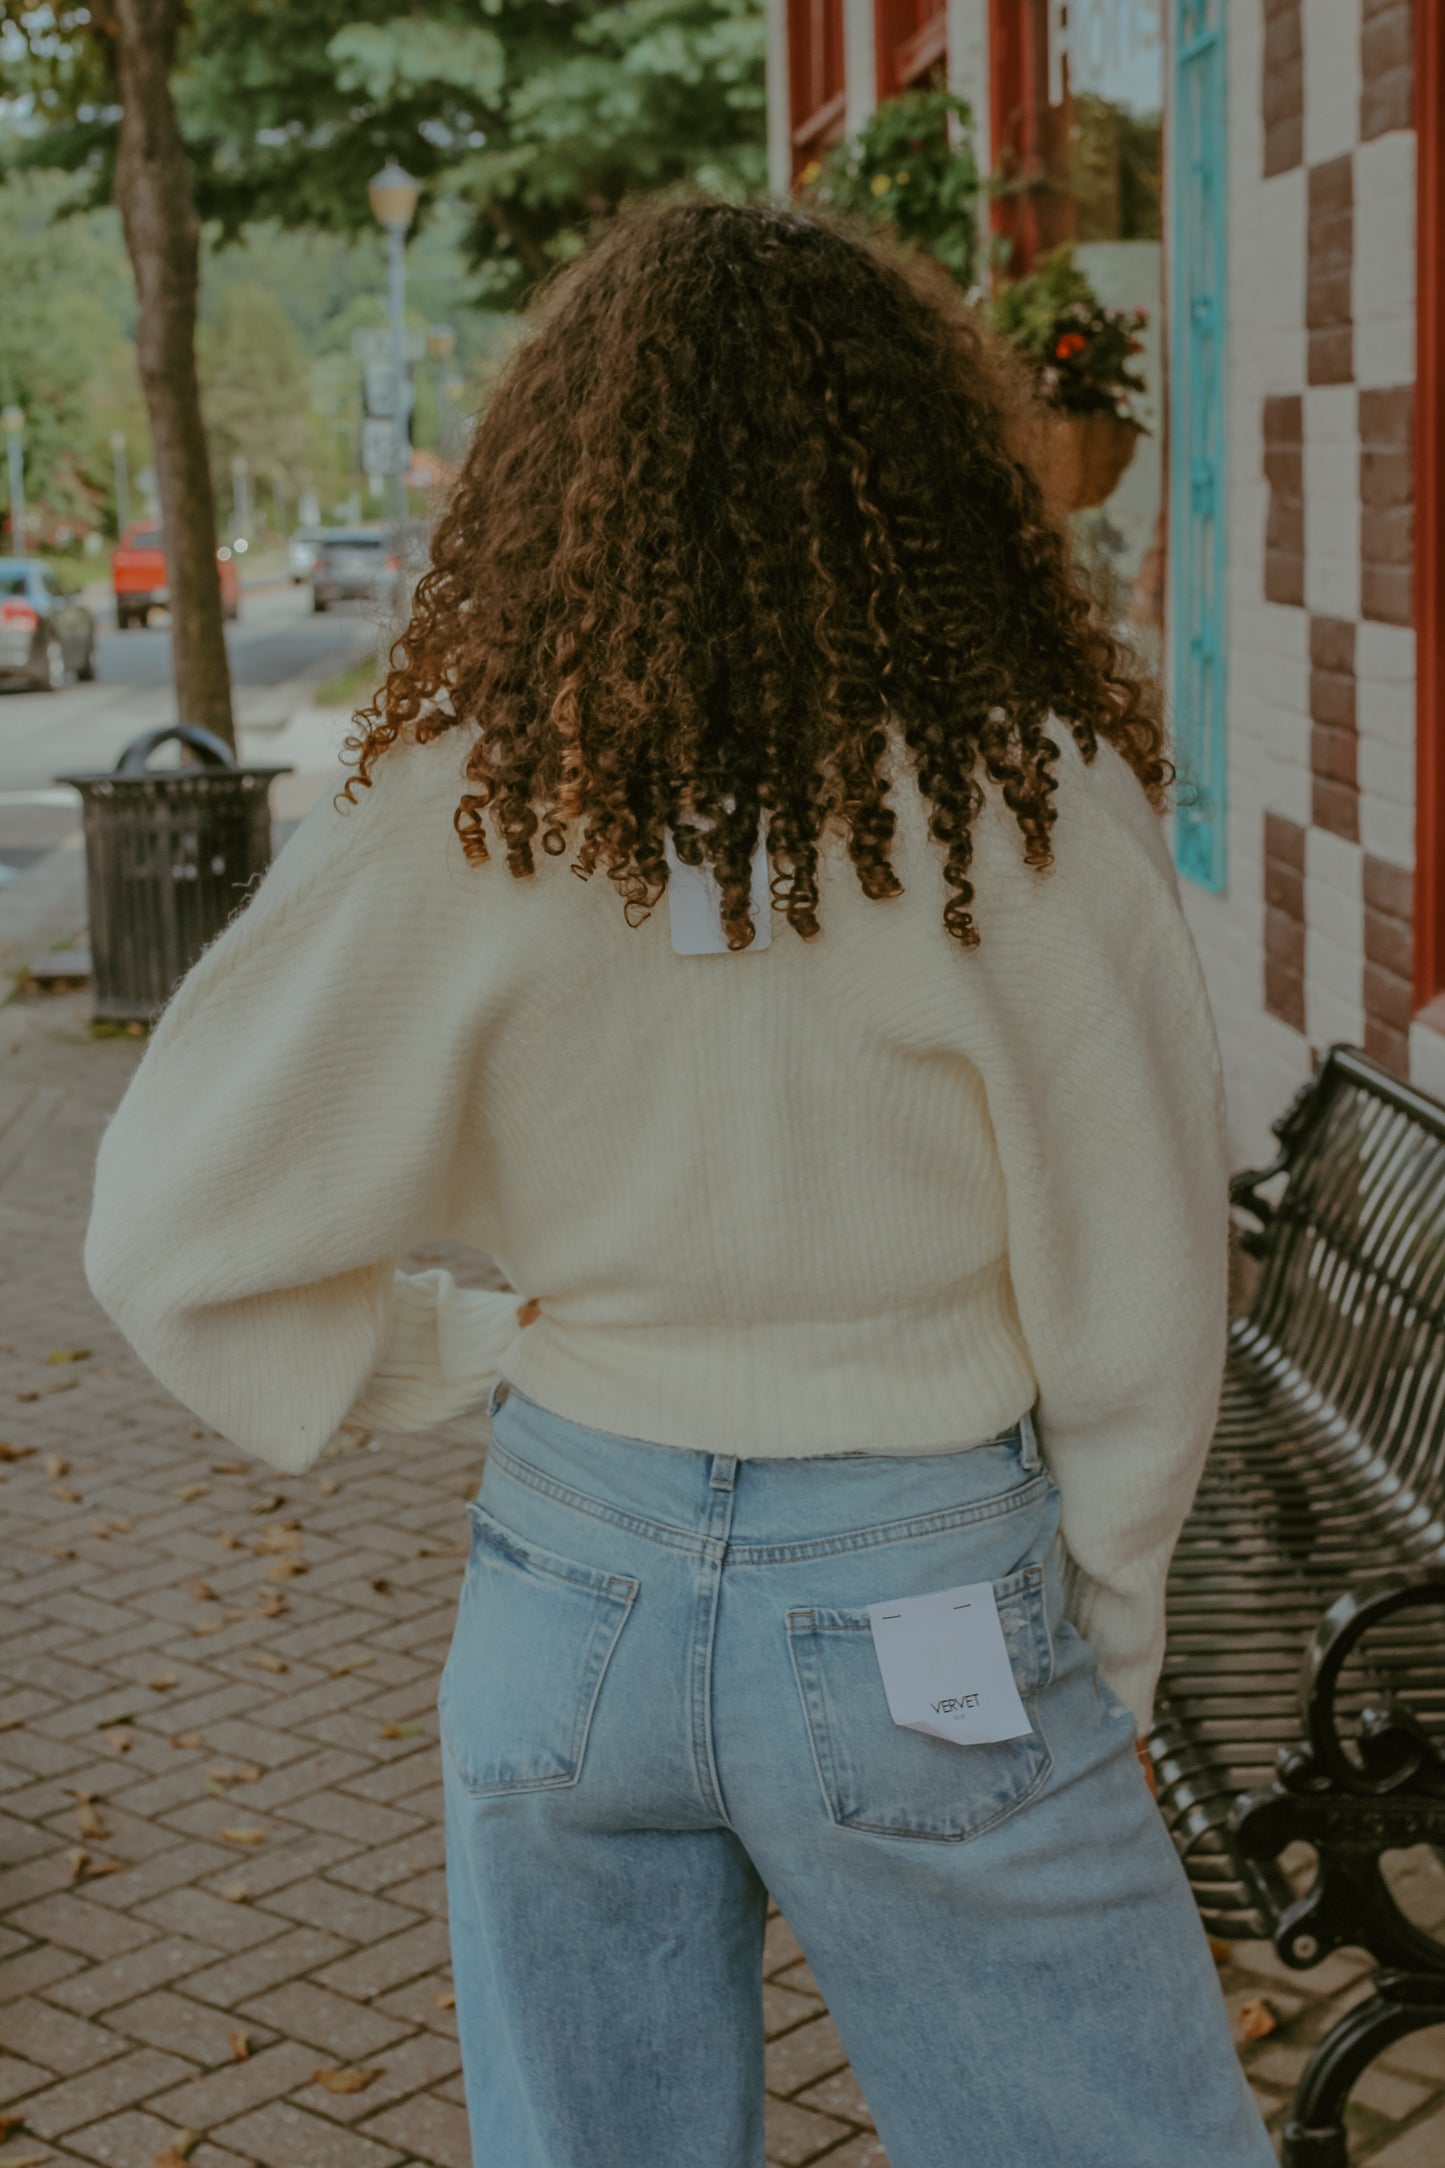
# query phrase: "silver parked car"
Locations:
[[44, 633], [353, 564]]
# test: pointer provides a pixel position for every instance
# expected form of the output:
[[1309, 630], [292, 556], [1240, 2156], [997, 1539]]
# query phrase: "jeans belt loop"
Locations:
[[1028, 1441], [496, 1398]]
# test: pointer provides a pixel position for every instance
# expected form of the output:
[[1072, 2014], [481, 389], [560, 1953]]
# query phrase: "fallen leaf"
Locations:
[[235, 1893], [285, 1569], [209, 1626], [102, 1866], [270, 1603], [245, 1834], [445, 1998], [55, 1464], [56, 1550], [190, 1490], [269, 1505], [9, 2123], [228, 1467], [352, 1663], [188, 1739], [1220, 1951], [203, 1591], [240, 2047], [381, 1585], [121, 1527], [329, 1486], [268, 1662], [68, 1355], [78, 1860], [163, 1682], [280, 1536], [402, 1731], [182, 2145], [351, 2080], [15, 1452], [64, 1491], [11, 1723], [90, 1820], [1256, 2019], [118, 1741], [233, 1772], [232, 1543]]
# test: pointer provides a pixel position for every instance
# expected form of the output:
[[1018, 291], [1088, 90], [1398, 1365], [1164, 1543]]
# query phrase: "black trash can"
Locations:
[[169, 855]]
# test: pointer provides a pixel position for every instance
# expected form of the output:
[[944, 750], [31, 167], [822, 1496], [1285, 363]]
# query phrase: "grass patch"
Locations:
[[350, 687]]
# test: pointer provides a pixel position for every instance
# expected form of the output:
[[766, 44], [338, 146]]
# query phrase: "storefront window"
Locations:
[[1078, 89]]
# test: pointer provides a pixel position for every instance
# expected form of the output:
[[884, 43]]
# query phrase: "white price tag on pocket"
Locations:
[[945, 1665]]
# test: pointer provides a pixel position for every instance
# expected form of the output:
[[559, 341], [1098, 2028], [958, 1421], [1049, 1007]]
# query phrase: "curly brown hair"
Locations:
[[750, 496]]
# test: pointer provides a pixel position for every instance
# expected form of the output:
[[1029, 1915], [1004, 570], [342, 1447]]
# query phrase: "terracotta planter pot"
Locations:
[[1081, 457]]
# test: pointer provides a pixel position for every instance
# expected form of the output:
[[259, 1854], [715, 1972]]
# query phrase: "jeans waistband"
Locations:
[[775, 1497]]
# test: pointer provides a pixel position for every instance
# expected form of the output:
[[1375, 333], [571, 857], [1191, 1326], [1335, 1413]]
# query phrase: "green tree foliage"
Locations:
[[254, 381], [66, 357], [539, 115], [537, 118], [911, 167]]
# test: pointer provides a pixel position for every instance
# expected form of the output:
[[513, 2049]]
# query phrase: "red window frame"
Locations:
[[817, 97], [910, 39], [1430, 510], [1029, 137]]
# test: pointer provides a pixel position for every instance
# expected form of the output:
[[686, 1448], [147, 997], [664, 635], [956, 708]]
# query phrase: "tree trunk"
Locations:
[[162, 234]]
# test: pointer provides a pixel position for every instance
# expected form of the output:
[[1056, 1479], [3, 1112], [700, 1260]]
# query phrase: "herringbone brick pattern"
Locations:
[[220, 1799]]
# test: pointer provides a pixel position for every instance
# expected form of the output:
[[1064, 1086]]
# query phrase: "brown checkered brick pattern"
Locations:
[[126, 1624], [1384, 516]]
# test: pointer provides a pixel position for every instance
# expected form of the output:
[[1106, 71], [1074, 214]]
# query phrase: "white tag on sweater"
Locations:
[[945, 1665], [694, 903]]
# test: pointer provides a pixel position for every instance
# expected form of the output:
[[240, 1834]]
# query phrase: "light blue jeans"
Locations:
[[662, 1701]]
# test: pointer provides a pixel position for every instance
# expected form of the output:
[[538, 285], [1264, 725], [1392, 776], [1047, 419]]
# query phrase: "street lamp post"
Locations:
[[393, 195], [122, 481], [13, 418]]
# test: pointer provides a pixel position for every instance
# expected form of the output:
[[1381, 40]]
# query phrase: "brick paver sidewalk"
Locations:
[[220, 1800]]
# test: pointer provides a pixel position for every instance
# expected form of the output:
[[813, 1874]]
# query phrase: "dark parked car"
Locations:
[[352, 564], [43, 631]]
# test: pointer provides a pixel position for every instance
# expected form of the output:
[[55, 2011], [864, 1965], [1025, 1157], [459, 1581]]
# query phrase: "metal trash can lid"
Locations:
[[134, 763]]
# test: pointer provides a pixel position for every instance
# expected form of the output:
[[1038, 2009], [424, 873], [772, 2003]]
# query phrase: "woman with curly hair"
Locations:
[[749, 921]]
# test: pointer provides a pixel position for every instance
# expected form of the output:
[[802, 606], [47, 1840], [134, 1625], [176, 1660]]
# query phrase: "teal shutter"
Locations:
[[1197, 446]]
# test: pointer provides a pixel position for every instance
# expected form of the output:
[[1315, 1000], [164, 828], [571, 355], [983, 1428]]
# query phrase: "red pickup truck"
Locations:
[[138, 570]]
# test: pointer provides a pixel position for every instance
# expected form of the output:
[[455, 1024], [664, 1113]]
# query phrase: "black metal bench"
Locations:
[[1303, 1697]]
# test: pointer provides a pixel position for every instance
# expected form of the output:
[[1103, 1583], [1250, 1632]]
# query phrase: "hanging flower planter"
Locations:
[[1082, 457], [1081, 357]]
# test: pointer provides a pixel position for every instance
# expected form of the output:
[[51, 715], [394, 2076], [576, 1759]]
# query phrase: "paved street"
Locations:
[[222, 1919], [278, 649]]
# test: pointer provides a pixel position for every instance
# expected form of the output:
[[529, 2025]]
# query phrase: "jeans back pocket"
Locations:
[[534, 1635], [880, 1776]]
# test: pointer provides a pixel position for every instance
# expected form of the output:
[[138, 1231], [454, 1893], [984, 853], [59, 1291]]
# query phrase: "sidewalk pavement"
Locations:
[[222, 1917]]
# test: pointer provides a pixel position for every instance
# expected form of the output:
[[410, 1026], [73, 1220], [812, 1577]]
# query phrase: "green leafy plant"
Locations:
[[1081, 354], [911, 167]]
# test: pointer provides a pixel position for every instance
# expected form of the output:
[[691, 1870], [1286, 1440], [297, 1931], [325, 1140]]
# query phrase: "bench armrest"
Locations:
[[1244, 1195], [1391, 1749]]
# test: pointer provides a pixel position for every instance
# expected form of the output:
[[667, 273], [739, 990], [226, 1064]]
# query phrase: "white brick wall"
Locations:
[[1385, 259]]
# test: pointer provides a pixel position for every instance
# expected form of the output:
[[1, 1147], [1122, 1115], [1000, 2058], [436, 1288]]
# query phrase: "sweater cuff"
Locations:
[[1126, 1633], [440, 1355]]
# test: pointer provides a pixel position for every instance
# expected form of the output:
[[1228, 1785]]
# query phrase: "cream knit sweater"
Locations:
[[866, 1192]]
